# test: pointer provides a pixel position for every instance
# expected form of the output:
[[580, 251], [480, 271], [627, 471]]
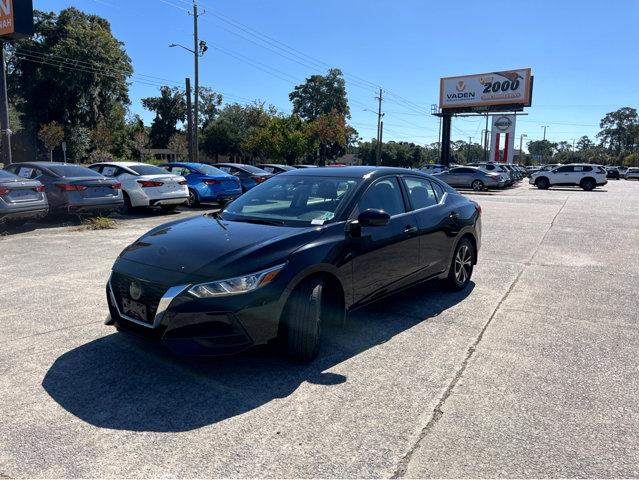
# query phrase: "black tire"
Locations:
[[302, 318], [588, 184], [461, 268], [168, 208], [192, 201], [477, 185], [126, 207], [542, 183], [16, 222]]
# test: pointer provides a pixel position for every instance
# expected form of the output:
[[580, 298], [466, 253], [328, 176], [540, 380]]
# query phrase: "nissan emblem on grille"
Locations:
[[135, 290]]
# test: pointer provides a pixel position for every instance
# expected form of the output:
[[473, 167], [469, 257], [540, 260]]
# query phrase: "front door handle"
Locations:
[[410, 229], [454, 215]]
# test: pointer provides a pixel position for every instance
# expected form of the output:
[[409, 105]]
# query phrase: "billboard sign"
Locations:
[[16, 19], [512, 87]]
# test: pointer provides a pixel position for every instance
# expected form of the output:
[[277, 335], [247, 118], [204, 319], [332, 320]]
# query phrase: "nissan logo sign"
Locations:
[[503, 123]]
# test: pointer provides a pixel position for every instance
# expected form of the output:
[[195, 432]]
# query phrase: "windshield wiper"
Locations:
[[261, 221]]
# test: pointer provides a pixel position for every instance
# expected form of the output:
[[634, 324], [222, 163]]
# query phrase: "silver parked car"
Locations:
[[72, 188], [21, 199], [471, 177]]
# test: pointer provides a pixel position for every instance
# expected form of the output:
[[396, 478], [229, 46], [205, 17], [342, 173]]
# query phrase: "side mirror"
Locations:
[[373, 218]]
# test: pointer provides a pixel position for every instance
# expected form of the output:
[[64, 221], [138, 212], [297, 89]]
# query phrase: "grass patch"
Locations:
[[99, 223]]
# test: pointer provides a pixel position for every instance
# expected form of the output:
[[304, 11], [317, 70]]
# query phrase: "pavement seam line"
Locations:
[[438, 412]]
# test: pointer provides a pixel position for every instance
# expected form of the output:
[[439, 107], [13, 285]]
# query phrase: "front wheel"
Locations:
[[477, 185], [588, 184], [461, 268], [542, 183], [302, 318]]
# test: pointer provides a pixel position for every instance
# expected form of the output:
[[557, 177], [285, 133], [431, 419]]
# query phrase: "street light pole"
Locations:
[[470, 139], [378, 155], [543, 149], [196, 97], [5, 130], [521, 141]]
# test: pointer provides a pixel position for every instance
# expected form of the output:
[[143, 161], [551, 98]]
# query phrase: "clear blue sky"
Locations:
[[584, 54]]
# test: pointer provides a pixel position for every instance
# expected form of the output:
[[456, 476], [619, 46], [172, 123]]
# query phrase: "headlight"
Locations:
[[233, 286]]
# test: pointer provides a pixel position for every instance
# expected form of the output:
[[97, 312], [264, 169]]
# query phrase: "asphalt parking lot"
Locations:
[[531, 372]]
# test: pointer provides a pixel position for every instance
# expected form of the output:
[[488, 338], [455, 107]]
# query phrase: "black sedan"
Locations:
[[72, 188], [275, 168], [299, 250], [249, 175]]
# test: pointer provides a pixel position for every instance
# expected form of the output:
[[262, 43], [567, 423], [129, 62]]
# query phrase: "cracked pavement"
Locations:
[[531, 372]]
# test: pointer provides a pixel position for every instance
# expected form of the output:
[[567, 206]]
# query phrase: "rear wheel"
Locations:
[[192, 201], [461, 268], [302, 318], [477, 185], [126, 207], [542, 183], [588, 184]]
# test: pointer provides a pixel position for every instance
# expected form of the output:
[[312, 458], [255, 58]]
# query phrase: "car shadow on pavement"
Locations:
[[120, 383]]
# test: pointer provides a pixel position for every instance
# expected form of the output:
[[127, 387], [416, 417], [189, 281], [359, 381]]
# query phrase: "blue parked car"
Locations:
[[206, 183]]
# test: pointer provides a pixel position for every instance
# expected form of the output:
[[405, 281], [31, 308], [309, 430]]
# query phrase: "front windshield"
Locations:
[[292, 200]]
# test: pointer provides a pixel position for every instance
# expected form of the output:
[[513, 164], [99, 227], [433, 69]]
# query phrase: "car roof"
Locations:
[[186, 164], [45, 164], [121, 164], [354, 172]]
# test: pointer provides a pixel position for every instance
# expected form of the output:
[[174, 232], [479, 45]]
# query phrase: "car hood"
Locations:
[[211, 248]]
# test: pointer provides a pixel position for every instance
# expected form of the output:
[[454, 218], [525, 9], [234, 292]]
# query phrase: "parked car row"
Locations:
[[33, 190], [478, 176]]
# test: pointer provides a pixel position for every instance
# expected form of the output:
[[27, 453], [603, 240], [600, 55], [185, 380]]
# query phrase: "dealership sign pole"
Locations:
[[481, 94], [16, 22]]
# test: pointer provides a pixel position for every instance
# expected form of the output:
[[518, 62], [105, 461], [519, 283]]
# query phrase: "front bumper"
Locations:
[[192, 326]]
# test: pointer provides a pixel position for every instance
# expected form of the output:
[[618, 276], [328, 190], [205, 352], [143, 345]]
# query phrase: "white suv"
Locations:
[[584, 175]]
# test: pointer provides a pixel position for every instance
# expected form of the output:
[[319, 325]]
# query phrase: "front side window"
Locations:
[[384, 194], [421, 192], [565, 169], [294, 201]]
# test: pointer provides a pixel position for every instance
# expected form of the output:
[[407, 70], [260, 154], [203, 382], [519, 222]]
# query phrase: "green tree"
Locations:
[[51, 135], [210, 102], [617, 130], [78, 140], [59, 74], [280, 138], [179, 145], [328, 134], [321, 95], [584, 143], [169, 108], [545, 148]]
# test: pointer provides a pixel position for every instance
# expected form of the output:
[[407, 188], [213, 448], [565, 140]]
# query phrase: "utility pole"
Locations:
[[573, 144], [470, 139], [381, 134], [5, 130], [189, 120], [378, 155], [196, 113], [543, 149], [486, 140]]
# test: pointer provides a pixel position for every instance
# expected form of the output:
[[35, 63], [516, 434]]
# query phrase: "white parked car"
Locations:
[[583, 175], [145, 185], [632, 173], [433, 168]]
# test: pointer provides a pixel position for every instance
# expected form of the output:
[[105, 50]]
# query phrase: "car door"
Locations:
[[387, 257], [451, 177], [433, 220], [562, 175]]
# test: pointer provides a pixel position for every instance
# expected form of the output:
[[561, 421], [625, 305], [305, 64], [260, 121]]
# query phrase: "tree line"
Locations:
[[70, 83]]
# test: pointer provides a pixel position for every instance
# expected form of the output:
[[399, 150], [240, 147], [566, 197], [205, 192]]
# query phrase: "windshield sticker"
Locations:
[[25, 172], [108, 171], [317, 221]]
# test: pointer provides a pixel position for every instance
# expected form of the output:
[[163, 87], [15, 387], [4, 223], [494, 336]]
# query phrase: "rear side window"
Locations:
[[565, 169], [439, 191], [421, 192]]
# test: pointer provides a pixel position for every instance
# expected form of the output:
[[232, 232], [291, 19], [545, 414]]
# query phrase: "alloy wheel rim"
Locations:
[[463, 264], [477, 185], [191, 199]]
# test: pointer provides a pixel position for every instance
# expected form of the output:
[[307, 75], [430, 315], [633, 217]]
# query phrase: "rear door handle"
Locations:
[[410, 229]]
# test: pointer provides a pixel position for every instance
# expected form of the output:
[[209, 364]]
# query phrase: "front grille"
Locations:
[[151, 294]]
